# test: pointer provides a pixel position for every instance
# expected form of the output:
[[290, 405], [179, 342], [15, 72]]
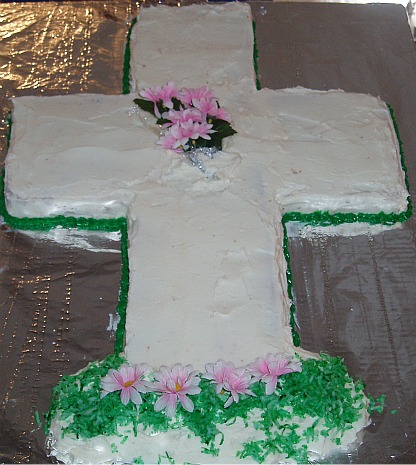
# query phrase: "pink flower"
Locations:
[[219, 372], [222, 114], [181, 138], [189, 96], [228, 378], [206, 106], [194, 130], [269, 369], [128, 379], [156, 94], [175, 385], [178, 136], [183, 115], [170, 142], [210, 107]]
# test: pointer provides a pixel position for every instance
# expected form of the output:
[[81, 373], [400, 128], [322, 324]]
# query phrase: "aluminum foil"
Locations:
[[356, 296]]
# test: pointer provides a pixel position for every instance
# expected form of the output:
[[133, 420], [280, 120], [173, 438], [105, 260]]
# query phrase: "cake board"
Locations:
[[321, 284]]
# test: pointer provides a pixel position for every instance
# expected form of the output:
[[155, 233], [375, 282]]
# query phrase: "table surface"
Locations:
[[355, 296]]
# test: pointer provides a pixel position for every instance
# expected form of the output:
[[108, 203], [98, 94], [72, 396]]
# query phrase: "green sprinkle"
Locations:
[[138, 460], [323, 391], [214, 451], [37, 418], [376, 405], [393, 412], [114, 449], [166, 456]]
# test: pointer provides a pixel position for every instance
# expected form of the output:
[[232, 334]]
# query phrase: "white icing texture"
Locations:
[[181, 446], [195, 46], [207, 272], [224, 230], [332, 150]]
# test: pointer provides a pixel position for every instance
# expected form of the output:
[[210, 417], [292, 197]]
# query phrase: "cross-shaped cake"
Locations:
[[205, 251]]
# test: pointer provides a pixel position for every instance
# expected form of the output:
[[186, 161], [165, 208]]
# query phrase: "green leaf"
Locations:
[[145, 105], [177, 104]]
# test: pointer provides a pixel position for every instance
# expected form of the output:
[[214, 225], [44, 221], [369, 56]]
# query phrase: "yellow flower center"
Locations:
[[178, 387], [128, 384]]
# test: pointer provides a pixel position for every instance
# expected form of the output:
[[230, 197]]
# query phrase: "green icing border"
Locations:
[[256, 56], [86, 224], [74, 384], [318, 218], [126, 64], [68, 394]]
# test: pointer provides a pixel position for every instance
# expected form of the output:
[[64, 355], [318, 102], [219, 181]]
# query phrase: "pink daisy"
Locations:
[[182, 138], [189, 96], [210, 107], [175, 385], [128, 380], [156, 94], [170, 142], [194, 130], [228, 378], [269, 368], [219, 372], [183, 115]]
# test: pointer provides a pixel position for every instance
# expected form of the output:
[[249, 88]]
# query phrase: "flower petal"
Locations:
[[108, 383], [271, 386], [229, 402], [126, 373], [186, 403], [104, 393], [125, 396], [161, 403], [135, 397], [171, 405]]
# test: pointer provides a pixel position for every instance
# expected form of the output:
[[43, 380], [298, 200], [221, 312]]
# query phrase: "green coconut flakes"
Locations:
[[322, 392]]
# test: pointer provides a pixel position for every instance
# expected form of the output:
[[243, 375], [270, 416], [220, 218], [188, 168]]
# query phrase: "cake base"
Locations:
[[313, 413]]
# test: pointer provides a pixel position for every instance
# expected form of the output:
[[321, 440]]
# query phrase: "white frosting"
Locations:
[[204, 44], [183, 447], [332, 150], [207, 272], [293, 149], [224, 231]]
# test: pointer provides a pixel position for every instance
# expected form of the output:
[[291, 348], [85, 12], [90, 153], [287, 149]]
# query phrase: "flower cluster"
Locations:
[[190, 118], [175, 384]]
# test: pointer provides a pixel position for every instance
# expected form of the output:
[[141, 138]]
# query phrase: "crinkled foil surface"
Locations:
[[356, 296]]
